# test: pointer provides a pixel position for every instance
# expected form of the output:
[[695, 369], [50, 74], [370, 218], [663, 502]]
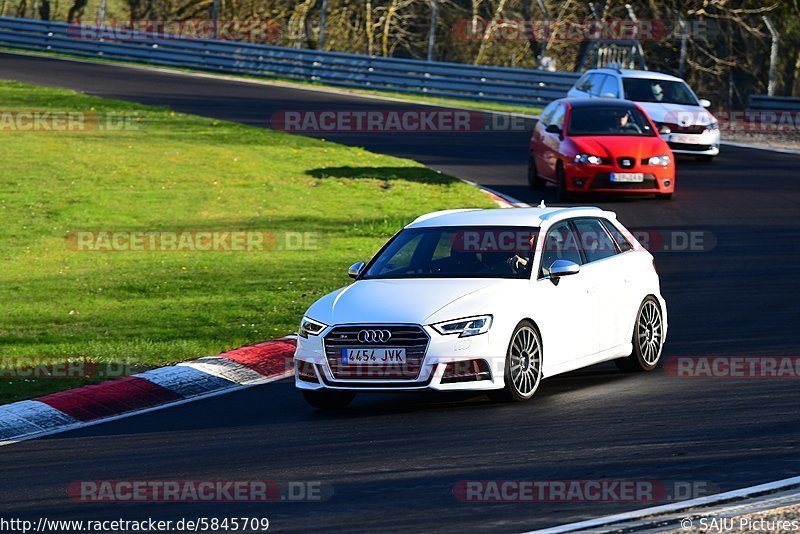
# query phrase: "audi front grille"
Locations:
[[410, 337]]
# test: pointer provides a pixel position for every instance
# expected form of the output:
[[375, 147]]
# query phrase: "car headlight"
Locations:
[[468, 326], [310, 327], [659, 160], [713, 126], [588, 159]]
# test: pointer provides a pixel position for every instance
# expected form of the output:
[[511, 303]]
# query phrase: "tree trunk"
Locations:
[[368, 28], [76, 11], [387, 25], [488, 32], [44, 10]]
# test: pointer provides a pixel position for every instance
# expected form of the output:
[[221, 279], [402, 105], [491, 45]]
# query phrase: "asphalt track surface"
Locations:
[[393, 460]]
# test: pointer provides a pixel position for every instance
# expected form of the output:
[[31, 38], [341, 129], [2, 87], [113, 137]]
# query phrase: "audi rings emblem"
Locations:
[[374, 336]]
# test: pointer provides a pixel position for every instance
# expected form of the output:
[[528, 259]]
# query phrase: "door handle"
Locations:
[[628, 279], [591, 290]]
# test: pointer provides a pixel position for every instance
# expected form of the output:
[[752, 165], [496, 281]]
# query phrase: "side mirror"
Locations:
[[704, 103], [561, 268], [355, 269], [553, 129], [664, 129]]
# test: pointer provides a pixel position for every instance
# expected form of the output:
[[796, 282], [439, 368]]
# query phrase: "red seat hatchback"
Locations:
[[600, 146]]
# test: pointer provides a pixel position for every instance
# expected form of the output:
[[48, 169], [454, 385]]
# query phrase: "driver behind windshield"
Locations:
[[625, 124]]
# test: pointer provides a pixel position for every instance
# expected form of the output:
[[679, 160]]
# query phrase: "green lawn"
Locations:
[[180, 172]]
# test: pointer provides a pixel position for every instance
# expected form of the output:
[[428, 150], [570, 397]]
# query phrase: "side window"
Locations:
[[596, 82], [560, 244], [547, 114], [610, 87], [558, 117], [623, 242], [583, 83], [587, 82], [594, 239]]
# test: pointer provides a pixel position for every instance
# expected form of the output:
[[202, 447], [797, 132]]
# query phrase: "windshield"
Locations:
[[661, 91], [611, 120], [457, 252]]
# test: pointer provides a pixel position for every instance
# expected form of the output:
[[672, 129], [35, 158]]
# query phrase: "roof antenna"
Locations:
[[541, 204]]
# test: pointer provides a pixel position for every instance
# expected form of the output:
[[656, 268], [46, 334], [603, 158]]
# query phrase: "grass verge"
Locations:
[[173, 172]]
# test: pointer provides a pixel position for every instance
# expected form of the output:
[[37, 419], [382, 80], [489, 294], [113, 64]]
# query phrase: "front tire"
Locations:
[[328, 400], [523, 369], [533, 175], [561, 182], [648, 338]]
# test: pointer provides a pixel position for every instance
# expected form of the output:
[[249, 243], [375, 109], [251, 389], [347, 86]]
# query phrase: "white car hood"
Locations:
[[677, 113], [420, 301]]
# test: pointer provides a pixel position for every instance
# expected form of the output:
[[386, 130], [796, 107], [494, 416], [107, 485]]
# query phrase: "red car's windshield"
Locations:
[[611, 120]]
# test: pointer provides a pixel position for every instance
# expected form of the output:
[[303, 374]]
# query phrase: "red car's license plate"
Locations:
[[627, 177]]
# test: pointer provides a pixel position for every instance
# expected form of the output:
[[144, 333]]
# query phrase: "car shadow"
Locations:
[[409, 174]]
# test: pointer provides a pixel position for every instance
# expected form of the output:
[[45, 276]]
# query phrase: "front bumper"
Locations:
[[441, 351], [597, 179], [704, 144]]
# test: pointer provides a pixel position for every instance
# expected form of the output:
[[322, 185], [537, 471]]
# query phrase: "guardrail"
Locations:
[[775, 103], [453, 80]]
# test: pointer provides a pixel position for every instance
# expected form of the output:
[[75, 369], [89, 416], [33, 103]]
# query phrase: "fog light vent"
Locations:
[[305, 371], [466, 371]]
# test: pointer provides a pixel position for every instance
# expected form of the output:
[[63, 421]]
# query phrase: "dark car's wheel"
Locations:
[[648, 338], [533, 175], [523, 365], [328, 400], [561, 182]]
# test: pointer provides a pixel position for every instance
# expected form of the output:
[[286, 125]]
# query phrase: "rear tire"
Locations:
[[533, 175], [561, 180], [648, 338], [523, 369], [328, 400]]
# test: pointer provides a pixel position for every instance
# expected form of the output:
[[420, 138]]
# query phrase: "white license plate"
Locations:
[[684, 139], [382, 356], [627, 177]]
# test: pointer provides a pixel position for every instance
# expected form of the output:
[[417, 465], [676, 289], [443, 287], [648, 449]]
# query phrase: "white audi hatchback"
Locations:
[[486, 300]]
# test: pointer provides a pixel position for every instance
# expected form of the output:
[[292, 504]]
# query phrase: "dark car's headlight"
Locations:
[[310, 327], [588, 159], [659, 160], [468, 326]]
